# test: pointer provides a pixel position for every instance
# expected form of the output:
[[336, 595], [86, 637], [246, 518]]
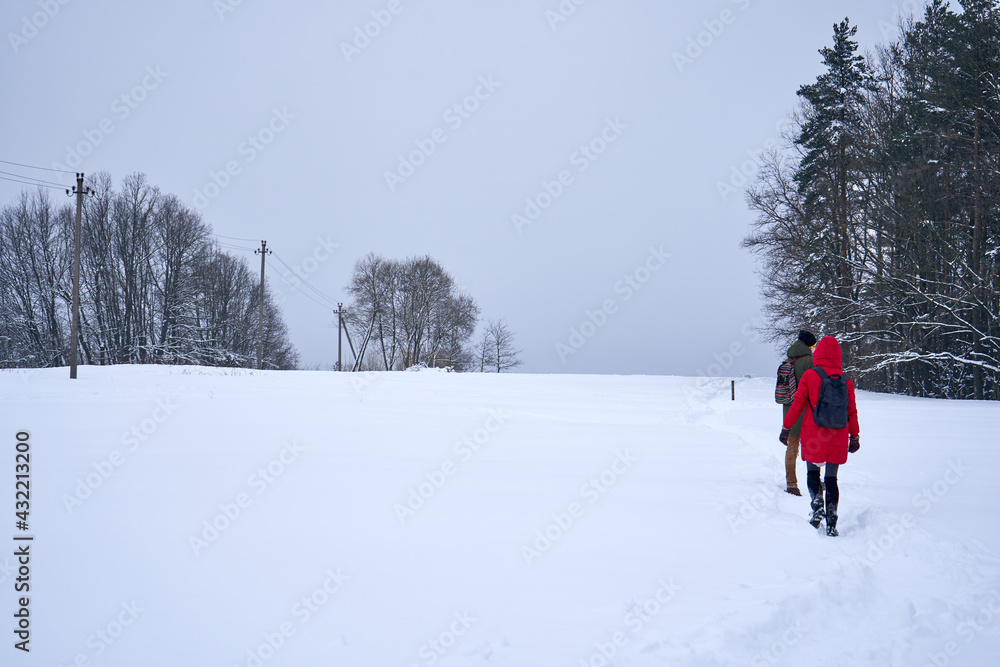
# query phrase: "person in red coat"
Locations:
[[821, 445]]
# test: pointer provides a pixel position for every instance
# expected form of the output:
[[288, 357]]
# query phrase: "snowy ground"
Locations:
[[443, 519]]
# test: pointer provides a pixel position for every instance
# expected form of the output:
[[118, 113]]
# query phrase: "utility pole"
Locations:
[[74, 337], [263, 252], [340, 334]]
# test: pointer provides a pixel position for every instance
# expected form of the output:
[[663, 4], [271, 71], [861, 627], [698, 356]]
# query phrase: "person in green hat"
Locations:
[[801, 354]]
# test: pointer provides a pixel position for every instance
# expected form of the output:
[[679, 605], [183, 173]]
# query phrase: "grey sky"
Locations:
[[308, 130]]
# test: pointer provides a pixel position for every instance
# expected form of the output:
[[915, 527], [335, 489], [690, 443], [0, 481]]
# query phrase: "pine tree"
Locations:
[[881, 222], [977, 61], [832, 141]]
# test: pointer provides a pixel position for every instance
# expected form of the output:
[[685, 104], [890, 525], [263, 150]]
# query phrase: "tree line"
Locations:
[[406, 313], [154, 285], [879, 220]]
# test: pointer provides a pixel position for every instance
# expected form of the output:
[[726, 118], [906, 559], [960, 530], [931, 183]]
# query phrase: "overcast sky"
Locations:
[[625, 122]]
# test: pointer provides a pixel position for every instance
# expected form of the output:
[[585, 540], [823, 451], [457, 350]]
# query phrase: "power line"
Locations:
[[40, 181], [41, 185], [231, 246], [304, 282], [315, 291], [236, 238], [28, 166], [296, 287]]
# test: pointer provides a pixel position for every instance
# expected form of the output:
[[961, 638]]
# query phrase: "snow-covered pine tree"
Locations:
[[880, 221]]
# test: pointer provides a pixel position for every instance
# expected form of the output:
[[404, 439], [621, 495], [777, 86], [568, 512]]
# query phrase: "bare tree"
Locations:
[[154, 288], [502, 353], [373, 287], [411, 313], [484, 351], [34, 270]]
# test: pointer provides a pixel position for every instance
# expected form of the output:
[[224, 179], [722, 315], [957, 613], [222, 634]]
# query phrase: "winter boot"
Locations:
[[832, 498], [815, 497]]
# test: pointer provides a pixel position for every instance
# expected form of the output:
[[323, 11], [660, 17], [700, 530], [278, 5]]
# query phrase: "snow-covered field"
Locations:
[[188, 516]]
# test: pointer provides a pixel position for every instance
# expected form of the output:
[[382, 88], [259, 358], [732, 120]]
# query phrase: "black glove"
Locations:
[[855, 444], [784, 436]]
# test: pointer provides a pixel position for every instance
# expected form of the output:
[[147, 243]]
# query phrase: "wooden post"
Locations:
[[734, 389]]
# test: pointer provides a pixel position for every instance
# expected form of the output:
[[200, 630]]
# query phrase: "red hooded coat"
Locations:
[[819, 444]]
